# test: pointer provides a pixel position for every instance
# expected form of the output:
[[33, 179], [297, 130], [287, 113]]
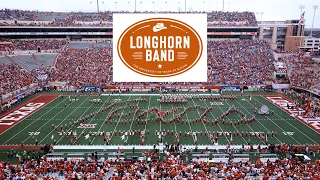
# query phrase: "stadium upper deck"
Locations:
[[37, 18], [35, 24]]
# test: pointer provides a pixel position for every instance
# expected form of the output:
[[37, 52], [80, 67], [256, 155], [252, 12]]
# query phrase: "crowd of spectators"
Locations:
[[173, 165], [46, 44], [12, 78], [83, 66], [33, 18], [6, 45], [231, 19], [240, 62], [249, 62], [303, 72]]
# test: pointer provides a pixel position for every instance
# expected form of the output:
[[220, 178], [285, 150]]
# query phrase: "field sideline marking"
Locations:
[[287, 121], [32, 121], [61, 121], [21, 105], [260, 122]]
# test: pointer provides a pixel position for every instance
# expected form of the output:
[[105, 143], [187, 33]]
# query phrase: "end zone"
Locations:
[[282, 101], [17, 114]]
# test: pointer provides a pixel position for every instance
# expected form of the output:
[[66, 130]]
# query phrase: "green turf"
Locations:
[[55, 113]]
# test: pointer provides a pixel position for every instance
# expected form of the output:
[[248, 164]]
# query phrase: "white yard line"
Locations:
[[145, 127], [115, 128], [233, 125], [132, 121], [175, 126], [104, 121], [273, 123], [89, 121], [258, 121], [200, 116], [31, 122], [218, 122], [290, 125], [61, 121], [21, 105], [189, 123], [75, 120]]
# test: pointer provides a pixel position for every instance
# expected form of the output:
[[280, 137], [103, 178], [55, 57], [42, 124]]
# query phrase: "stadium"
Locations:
[[64, 117]]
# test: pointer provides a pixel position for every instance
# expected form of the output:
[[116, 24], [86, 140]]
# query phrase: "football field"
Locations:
[[85, 120]]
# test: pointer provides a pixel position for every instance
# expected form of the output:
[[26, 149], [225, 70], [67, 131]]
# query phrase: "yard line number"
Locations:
[[34, 133], [288, 133]]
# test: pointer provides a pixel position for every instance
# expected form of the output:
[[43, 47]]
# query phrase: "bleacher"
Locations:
[[45, 17], [25, 61], [106, 45], [4, 60], [79, 45], [45, 60]]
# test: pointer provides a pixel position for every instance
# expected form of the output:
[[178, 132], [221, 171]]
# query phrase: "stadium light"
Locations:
[[222, 5], [141, 5], [315, 7], [204, 6], [185, 5], [116, 3], [154, 7], [166, 5], [301, 7], [104, 6], [129, 6], [135, 5], [98, 5], [179, 8], [229, 6], [217, 5]]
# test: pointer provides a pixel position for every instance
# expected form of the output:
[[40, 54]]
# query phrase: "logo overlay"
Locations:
[[160, 48]]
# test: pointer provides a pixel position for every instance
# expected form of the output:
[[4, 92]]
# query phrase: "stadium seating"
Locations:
[[47, 44], [32, 61], [173, 166], [303, 72], [105, 45], [45, 60], [5, 60], [83, 66], [79, 45], [238, 19], [250, 62], [13, 78]]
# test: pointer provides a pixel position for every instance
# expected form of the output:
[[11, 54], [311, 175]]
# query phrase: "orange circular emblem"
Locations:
[[160, 47]]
